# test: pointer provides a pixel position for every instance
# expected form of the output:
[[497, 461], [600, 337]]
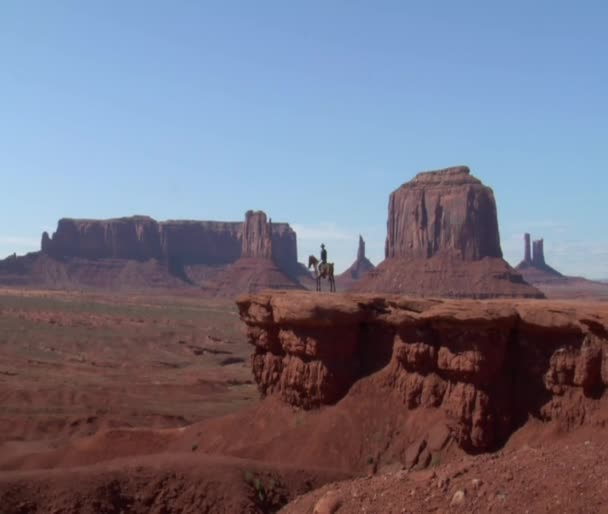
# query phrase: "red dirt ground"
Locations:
[[124, 403], [73, 363], [546, 473]]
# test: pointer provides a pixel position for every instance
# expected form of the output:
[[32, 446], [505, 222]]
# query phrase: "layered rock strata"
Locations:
[[488, 366]]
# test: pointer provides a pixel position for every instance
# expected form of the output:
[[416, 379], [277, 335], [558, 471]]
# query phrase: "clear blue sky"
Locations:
[[312, 111]]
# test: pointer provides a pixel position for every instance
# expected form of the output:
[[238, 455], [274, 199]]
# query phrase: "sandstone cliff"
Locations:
[[200, 242], [443, 240], [137, 237], [484, 368]]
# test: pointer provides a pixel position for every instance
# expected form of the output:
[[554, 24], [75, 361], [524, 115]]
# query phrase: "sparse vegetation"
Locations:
[[269, 493]]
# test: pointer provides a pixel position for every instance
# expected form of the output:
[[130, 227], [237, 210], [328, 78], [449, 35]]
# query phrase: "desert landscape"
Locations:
[[439, 380], [303, 258]]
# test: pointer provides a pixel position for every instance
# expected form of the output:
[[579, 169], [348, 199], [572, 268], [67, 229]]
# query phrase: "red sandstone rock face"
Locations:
[[194, 242], [443, 241], [285, 249], [257, 236], [487, 366], [445, 211], [122, 238]]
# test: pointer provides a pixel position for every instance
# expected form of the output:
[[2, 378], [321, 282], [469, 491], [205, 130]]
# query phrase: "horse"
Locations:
[[328, 273]]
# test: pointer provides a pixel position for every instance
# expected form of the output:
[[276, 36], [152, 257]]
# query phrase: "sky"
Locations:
[[311, 111]]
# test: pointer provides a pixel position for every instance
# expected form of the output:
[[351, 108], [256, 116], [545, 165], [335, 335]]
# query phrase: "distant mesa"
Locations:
[[443, 240], [139, 252], [357, 270], [534, 259]]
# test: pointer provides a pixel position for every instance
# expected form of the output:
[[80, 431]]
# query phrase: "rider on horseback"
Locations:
[[323, 264]]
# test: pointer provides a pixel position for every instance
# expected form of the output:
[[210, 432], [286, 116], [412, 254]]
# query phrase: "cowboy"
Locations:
[[323, 265]]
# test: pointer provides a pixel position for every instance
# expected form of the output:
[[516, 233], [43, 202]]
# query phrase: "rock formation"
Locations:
[[137, 237], [265, 262], [257, 236], [200, 242], [357, 270], [533, 265], [443, 240], [536, 271], [443, 212], [538, 253], [527, 255], [140, 252], [486, 366], [551, 282]]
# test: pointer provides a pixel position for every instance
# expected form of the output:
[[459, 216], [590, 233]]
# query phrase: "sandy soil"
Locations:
[[73, 363], [125, 403]]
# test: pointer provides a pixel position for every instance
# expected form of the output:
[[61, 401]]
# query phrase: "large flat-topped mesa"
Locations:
[[220, 257], [188, 241], [447, 211], [443, 240]]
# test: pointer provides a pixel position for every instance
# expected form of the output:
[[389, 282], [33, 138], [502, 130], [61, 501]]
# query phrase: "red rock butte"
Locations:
[[443, 240]]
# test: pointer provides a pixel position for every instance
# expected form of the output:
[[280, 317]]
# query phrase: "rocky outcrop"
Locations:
[[257, 236], [533, 267], [538, 252], [443, 240], [527, 254], [268, 259], [357, 270], [487, 366], [285, 249], [445, 211]]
